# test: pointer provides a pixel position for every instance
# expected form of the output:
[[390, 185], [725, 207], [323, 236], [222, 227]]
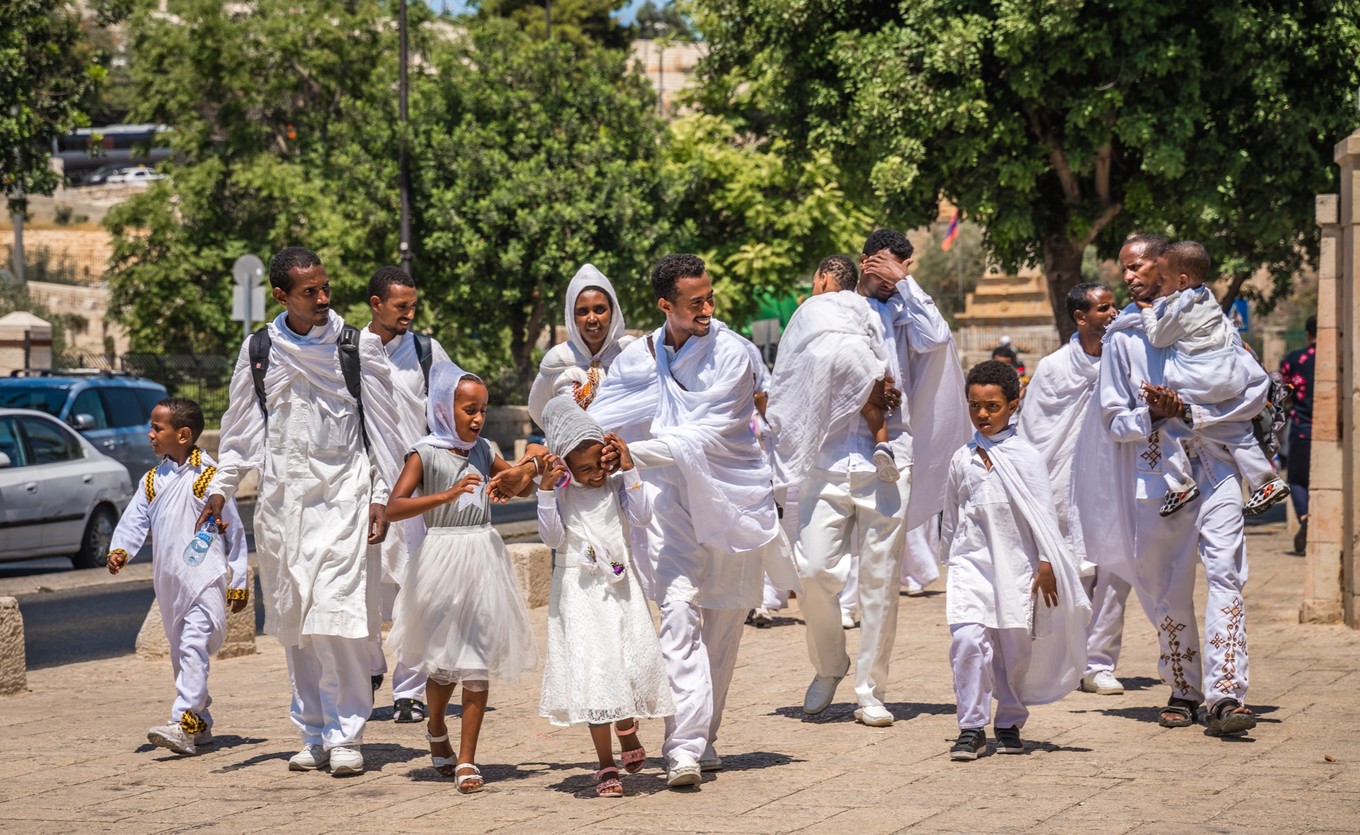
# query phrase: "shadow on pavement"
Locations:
[[843, 711]]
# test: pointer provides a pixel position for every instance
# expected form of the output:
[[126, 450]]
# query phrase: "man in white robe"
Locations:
[[1133, 404], [393, 298], [683, 399], [826, 449], [1056, 405], [321, 504]]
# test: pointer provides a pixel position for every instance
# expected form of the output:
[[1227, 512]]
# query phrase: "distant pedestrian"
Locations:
[[193, 588], [604, 661], [459, 616], [1297, 371], [1014, 602]]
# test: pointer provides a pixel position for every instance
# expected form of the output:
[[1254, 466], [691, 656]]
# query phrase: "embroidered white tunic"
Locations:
[[164, 505], [316, 480]]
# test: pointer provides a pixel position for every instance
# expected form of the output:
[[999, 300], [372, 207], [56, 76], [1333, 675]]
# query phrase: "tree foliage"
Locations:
[[583, 22], [1061, 123], [47, 73]]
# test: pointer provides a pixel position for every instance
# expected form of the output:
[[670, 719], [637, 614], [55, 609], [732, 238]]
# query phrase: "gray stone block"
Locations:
[[13, 662]]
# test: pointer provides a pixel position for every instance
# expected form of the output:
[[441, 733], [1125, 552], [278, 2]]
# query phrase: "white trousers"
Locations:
[[1108, 594], [1166, 549], [849, 596], [332, 694], [1236, 436], [989, 663], [406, 682], [832, 509], [920, 561], [773, 598], [700, 649], [191, 641]]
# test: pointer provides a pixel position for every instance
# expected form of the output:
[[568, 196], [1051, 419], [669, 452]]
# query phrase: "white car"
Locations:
[[59, 496], [139, 174]]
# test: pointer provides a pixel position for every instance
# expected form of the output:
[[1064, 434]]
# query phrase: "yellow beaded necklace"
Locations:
[[200, 483]]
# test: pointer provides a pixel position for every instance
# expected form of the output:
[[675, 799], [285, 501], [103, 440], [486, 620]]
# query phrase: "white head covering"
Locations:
[[571, 362], [567, 426], [444, 379]]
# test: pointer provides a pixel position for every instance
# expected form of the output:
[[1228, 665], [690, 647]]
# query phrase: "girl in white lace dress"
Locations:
[[459, 617], [604, 661]]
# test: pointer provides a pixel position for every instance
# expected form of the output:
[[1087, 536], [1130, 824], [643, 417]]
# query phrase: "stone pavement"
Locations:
[[73, 755]]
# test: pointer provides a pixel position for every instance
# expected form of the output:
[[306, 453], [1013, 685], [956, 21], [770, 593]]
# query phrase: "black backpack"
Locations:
[[346, 349], [424, 355]]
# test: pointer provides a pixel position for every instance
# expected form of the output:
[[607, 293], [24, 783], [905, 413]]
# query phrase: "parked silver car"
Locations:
[[59, 496]]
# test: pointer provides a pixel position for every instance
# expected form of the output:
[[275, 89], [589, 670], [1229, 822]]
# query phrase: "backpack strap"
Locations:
[[347, 349], [425, 354], [260, 343]]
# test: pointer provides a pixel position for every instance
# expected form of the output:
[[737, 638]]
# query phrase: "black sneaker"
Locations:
[[971, 744], [1008, 741], [1176, 501], [377, 683], [1301, 539], [401, 711]]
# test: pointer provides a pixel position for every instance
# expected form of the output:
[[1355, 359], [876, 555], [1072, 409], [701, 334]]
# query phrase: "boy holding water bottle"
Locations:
[[197, 573]]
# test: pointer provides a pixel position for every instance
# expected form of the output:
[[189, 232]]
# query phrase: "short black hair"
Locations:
[[840, 268], [1310, 326], [995, 373], [1079, 298], [290, 258], [184, 414], [891, 240], [670, 269], [1154, 244], [1005, 351], [380, 284], [1189, 258]]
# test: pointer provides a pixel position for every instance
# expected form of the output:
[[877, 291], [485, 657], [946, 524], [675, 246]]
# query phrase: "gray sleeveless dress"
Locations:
[[459, 615]]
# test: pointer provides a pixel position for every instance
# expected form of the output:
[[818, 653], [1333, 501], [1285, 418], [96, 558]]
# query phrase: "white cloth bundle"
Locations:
[[830, 356], [569, 362], [1059, 654]]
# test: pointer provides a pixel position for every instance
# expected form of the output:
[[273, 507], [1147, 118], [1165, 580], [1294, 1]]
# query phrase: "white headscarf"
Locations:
[[571, 361], [567, 426], [444, 379]]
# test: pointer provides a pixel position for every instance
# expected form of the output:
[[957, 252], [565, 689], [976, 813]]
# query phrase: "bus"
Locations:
[[85, 151]]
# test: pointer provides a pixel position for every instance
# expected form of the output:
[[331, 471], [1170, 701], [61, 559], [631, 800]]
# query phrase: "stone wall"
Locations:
[[86, 251]]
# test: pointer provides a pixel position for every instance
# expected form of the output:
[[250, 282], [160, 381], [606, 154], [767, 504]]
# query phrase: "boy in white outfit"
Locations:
[[1207, 366], [191, 587]]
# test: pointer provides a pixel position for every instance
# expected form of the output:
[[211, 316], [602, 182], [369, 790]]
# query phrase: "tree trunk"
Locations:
[[1062, 268], [523, 337]]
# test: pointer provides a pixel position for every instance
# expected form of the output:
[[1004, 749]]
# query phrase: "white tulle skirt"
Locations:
[[604, 661], [459, 615]]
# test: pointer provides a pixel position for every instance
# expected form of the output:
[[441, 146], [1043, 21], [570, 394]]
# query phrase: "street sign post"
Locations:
[[247, 298]]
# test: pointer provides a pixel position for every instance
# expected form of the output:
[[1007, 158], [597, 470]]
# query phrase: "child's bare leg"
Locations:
[[474, 710], [437, 698], [877, 422], [876, 418], [604, 744]]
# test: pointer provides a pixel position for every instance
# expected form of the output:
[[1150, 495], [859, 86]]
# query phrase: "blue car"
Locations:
[[111, 410]]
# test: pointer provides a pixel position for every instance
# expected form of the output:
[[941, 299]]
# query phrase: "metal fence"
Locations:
[[204, 378]]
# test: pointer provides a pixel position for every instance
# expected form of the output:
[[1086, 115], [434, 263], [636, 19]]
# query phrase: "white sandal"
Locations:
[[463, 778], [440, 763]]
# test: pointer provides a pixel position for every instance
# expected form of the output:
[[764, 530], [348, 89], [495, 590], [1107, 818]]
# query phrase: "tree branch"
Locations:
[[1111, 212], [1104, 162], [1234, 289], [1071, 188]]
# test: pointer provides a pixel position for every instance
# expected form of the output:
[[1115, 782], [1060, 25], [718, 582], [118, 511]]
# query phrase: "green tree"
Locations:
[[1059, 124], [532, 158], [762, 219], [661, 21], [583, 22], [47, 73]]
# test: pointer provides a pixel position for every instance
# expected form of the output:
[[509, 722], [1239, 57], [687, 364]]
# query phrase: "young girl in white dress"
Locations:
[[459, 616], [604, 661]]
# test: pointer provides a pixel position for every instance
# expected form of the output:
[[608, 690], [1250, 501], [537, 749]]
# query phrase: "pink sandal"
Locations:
[[633, 760], [608, 787]]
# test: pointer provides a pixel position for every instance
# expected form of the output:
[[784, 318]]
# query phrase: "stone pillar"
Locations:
[[13, 662], [1322, 571], [1348, 159]]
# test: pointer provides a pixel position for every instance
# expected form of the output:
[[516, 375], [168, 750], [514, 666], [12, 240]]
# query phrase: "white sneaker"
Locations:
[[885, 463], [310, 758], [172, 736], [204, 738], [346, 761], [911, 588], [1102, 683], [820, 693], [848, 619], [762, 618], [710, 761], [683, 771], [875, 716]]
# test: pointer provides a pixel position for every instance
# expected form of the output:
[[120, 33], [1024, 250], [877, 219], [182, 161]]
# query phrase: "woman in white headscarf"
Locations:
[[594, 338]]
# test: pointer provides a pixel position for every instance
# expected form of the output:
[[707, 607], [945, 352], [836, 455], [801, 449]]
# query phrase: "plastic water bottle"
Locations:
[[198, 547]]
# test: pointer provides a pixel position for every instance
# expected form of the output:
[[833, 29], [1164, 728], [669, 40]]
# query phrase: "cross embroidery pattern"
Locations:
[[1174, 655], [1153, 453], [1230, 645]]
